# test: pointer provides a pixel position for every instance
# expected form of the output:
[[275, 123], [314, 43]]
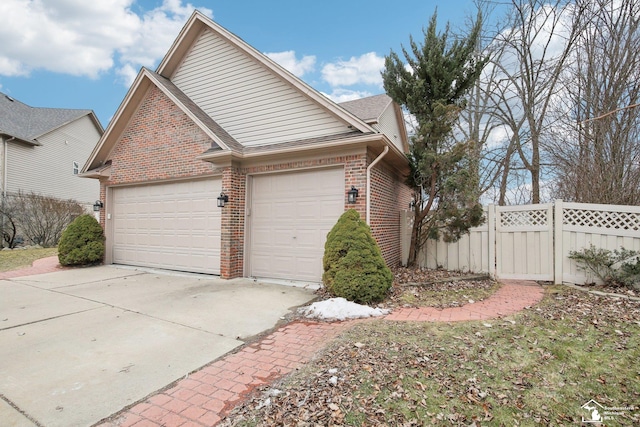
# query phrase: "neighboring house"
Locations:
[[217, 116], [42, 150]]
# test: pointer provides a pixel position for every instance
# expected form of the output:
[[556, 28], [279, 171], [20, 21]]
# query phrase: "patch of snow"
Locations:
[[340, 309]]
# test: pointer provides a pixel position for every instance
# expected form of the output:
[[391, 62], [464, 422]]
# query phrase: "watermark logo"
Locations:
[[595, 413]]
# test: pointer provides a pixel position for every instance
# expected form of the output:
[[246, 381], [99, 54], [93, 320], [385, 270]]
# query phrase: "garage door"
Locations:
[[291, 214], [172, 225]]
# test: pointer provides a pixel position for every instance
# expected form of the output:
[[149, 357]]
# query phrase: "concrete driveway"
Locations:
[[79, 345]]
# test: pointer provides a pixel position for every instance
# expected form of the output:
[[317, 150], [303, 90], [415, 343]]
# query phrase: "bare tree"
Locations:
[[477, 123], [40, 219], [596, 146], [532, 55], [8, 224]]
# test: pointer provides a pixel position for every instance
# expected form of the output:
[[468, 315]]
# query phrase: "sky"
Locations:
[[85, 54]]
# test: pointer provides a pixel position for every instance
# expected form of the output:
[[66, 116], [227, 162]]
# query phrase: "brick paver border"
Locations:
[[39, 266]]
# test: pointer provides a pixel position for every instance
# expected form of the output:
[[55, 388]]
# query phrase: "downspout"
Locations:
[[377, 159], [5, 143]]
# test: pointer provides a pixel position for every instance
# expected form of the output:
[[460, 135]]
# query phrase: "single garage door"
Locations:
[[291, 214], [174, 225]]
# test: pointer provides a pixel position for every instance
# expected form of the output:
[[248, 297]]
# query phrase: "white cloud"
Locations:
[[289, 61], [86, 38], [364, 69], [343, 95], [127, 74]]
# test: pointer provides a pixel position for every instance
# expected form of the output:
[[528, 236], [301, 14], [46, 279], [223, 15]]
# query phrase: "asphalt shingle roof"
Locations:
[[368, 109], [27, 123]]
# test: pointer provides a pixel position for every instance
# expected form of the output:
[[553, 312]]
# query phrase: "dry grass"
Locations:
[[534, 368], [21, 258]]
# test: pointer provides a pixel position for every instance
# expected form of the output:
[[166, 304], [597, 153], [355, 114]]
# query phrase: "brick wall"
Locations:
[[389, 196], [232, 223], [160, 142], [355, 174]]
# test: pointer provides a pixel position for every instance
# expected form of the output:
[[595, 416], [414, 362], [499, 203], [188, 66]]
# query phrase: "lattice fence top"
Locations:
[[526, 218], [602, 219]]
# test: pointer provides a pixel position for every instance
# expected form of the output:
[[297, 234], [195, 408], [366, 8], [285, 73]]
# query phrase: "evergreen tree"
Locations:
[[431, 85]]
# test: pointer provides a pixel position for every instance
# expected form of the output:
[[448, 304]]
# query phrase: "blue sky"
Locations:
[[85, 54]]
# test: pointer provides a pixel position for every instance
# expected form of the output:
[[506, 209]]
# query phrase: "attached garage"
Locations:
[[290, 216], [173, 225]]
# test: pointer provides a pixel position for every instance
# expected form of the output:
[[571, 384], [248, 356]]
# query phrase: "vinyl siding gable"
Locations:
[[250, 102], [48, 169], [388, 125]]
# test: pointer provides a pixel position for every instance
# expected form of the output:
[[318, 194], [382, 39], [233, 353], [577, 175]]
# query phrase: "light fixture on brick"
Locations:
[[97, 206], [352, 195], [222, 199]]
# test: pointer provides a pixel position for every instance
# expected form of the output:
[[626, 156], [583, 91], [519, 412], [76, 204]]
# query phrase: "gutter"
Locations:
[[377, 159]]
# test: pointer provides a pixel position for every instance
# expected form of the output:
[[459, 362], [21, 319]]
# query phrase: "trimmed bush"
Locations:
[[82, 242], [620, 267], [353, 265]]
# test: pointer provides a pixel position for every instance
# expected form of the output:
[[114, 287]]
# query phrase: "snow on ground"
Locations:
[[340, 309]]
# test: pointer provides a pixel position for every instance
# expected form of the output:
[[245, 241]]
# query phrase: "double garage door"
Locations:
[[173, 225], [176, 225]]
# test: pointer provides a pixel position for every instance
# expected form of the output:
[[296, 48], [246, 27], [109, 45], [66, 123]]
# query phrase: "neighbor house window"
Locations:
[[76, 168]]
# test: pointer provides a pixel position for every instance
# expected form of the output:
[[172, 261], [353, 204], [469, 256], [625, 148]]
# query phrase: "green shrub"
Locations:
[[620, 267], [353, 265], [82, 242]]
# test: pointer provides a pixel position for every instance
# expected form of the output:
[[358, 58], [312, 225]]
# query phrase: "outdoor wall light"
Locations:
[[352, 195], [97, 206], [222, 199]]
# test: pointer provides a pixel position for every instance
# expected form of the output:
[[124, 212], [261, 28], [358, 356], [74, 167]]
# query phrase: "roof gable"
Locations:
[[136, 94], [27, 123], [382, 114], [252, 97], [369, 109]]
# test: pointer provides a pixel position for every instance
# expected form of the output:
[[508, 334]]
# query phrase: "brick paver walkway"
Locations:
[[39, 266], [512, 297], [207, 395]]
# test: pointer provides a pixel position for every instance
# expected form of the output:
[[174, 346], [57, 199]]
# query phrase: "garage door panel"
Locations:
[[284, 211], [172, 225], [291, 216], [309, 239]]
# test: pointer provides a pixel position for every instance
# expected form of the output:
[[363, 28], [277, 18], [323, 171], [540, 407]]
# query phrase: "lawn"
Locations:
[[538, 367], [20, 258]]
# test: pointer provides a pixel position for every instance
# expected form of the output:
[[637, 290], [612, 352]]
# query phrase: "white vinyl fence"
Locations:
[[533, 241]]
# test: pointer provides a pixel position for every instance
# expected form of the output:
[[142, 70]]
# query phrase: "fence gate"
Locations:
[[524, 242]]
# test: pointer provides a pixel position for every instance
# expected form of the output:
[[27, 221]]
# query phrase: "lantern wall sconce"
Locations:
[[352, 195], [222, 199], [97, 206]]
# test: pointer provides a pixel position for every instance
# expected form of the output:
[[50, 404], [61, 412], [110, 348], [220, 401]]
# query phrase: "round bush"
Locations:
[[82, 242], [353, 265]]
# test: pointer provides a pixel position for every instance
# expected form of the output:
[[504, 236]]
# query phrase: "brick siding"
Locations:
[[160, 142], [232, 224], [390, 197]]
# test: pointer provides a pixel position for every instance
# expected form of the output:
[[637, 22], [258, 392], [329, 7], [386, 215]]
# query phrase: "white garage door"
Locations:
[[173, 225], [291, 214]]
